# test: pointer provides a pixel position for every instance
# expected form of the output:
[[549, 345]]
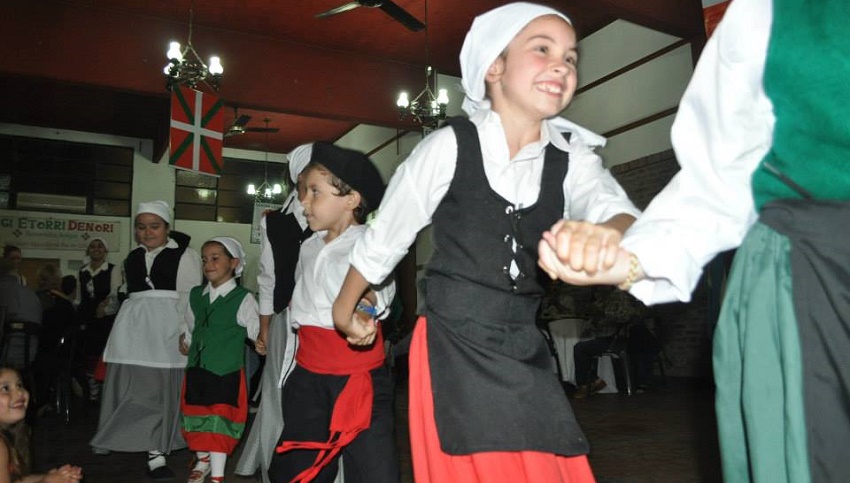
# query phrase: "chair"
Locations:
[[19, 331], [618, 351], [543, 325]]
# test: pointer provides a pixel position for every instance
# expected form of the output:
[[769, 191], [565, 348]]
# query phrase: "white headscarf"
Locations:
[[87, 258], [298, 160], [235, 249], [158, 208], [489, 36]]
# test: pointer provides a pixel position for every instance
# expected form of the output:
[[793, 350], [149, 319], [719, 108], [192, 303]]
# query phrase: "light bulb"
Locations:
[[174, 52], [443, 97], [215, 66], [268, 193], [167, 69], [403, 102], [276, 189], [252, 190]]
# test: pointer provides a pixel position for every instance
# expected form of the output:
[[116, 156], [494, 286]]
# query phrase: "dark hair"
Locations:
[[344, 189], [9, 249], [49, 277], [17, 439]]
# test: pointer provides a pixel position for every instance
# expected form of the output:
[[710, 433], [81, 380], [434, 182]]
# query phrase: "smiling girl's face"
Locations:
[[13, 397]]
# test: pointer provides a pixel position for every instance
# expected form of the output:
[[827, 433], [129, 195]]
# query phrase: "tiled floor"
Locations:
[[666, 436]]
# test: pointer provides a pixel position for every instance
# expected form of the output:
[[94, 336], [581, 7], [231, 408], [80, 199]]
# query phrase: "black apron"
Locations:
[[820, 263]]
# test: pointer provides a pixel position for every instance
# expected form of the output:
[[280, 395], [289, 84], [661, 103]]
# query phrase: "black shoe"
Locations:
[[163, 473]]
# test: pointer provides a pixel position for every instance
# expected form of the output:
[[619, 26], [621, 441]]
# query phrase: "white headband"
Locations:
[[101, 240], [490, 34], [235, 249], [158, 208], [298, 160]]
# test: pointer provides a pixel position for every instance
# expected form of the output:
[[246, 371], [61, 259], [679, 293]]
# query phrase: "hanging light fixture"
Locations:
[[427, 108], [265, 192], [186, 67]]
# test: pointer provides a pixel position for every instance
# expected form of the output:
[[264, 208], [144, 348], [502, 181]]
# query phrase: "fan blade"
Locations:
[[401, 15], [262, 129], [340, 9], [242, 120]]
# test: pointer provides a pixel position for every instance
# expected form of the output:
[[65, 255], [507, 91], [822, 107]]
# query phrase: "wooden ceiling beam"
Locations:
[[91, 46], [680, 18]]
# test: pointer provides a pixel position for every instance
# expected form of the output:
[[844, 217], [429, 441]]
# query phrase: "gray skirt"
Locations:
[[140, 409]]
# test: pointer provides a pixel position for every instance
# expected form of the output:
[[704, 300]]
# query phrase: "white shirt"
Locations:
[[247, 316], [722, 131], [319, 275], [266, 278], [421, 182]]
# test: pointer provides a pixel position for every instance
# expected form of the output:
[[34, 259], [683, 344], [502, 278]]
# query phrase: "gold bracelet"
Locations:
[[630, 278]]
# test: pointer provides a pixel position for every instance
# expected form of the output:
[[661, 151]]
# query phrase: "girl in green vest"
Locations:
[[214, 405]]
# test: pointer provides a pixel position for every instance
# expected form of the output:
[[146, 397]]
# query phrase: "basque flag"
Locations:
[[197, 127]]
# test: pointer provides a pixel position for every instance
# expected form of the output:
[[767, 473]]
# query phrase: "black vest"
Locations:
[[491, 372], [163, 273], [285, 236], [475, 230], [102, 285]]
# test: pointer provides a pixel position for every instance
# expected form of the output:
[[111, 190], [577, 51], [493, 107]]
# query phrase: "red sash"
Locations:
[[326, 351]]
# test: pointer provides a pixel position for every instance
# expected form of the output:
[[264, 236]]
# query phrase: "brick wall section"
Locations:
[[685, 329]]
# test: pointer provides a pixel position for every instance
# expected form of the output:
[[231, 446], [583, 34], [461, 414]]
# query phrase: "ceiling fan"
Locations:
[[240, 125], [387, 6]]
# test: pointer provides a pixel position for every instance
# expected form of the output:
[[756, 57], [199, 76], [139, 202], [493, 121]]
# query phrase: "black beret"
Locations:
[[352, 167]]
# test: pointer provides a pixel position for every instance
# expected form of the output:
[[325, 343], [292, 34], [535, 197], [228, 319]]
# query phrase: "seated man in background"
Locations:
[[22, 305]]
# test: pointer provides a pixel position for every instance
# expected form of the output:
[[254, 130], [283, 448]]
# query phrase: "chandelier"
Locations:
[[186, 67], [426, 108], [266, 192]]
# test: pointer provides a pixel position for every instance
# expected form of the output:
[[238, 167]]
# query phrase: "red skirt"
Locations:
[[431, 464], [217, 427]]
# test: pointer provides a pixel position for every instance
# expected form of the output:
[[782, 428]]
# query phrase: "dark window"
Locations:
[[223, 199], [65, 177]]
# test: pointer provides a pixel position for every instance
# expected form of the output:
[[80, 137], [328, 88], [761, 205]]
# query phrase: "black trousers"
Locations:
[[307, 402]]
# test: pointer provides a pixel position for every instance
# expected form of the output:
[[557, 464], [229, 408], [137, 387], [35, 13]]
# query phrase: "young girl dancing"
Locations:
[[141, 394], [337, 399], [14, 437], [484, 403], [215, 399]]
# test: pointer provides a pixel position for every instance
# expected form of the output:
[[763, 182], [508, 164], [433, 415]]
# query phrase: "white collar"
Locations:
[[220, 291]]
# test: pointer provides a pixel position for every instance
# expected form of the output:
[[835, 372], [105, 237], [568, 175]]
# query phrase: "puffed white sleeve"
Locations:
[[266, 278], [721, 132], [189, 275], [412, 196], [248, 316]]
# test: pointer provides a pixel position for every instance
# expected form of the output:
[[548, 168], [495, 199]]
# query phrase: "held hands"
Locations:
[[63, 474], [358, 325], [260, 343], [582, 253], [184, 347]]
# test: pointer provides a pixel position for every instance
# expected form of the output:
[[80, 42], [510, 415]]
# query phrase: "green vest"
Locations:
[[218, 341], [808, 87]]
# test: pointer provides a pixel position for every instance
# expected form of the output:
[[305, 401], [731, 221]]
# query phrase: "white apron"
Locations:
[[146, 331]]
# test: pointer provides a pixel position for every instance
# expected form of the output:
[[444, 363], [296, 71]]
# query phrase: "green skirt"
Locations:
[[758, 367]]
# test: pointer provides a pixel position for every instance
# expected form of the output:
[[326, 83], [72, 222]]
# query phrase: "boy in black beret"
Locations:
[[333, 381]]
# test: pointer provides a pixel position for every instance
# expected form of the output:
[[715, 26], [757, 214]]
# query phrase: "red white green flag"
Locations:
[[197, 128]]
